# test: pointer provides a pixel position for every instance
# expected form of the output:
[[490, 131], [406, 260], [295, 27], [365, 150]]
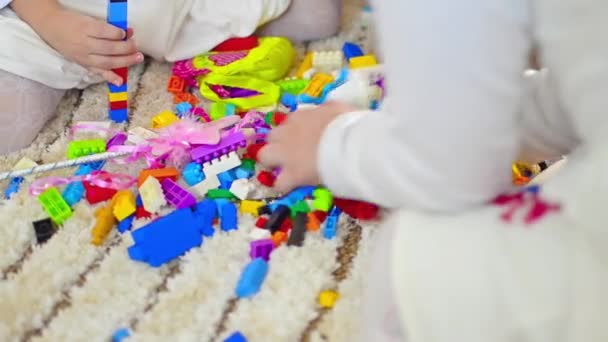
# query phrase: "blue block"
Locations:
[[228, 217], [226, 179], [193, 174], [236, 337], [351, 50], [230, 109], [305, 98], [13, 187], [290, 101], [241, 173], [331, 223], [166, 238], [119, 115], [138, 201], [126, 224], [120, 335], [118, 89], [117, 12], [301, 193], [95, 166], [205, 212], [183, 108], [84, 170], [123, 25], [73, 193], [252, 278]]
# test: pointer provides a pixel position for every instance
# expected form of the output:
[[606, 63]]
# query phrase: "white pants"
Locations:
[[475, 277], [165, 30]]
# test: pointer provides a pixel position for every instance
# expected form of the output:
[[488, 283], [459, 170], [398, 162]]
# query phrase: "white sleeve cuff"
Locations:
[[331, 153], [4, 3]]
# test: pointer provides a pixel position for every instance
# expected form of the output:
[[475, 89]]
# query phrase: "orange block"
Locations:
[[160, 174], [313, 223], [176, 85], [185, 97], [278, 238]]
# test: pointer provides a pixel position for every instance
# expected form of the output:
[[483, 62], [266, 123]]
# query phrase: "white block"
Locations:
[[152, 195], [259, 234], [241, 188]]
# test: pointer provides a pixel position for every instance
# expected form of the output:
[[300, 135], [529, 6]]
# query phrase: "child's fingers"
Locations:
[[130, 33], [285, 182], [108, 75], [271, 156], [103, 30], [112, 48], [115, 62]]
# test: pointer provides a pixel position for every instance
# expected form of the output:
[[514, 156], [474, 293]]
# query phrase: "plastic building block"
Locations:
[[13, 187], [323, 199], [117, 11], [24, 163], [140, 212], [327, 61], [229, 143], [242, 173], [236, 337], [357, 209], [124, 87], [44, 230], [126, 224], [251, 207], [209, 183], [96, 194], [299, 207], [152, 196], [305, 66], [237, 44], [294, 86], [183, 109], [248, 164], [228, 217], [193, 174], [176, 85], [117, 97], [254, 149], [226, 179], [313, 224], [120, 335], [259, 234], [328, 298], [118, 105], [138, 201], [351, 50], [298, 233], [290, 101], [278, 238], [362, 62], [123, 204], [331, 223], [222, 164], [320, 215], [73, 193], [252, 278], [318, 82], [185, 97], [220, 194], [266, 178], [164, 119], [205, 212], [103, 225], [55, 205], [200, 112], [261, 249], [159, 174], [261, 222], [166, 238], [176, 195], [276, 219], [81, 148], [286, 226], [241, 188]]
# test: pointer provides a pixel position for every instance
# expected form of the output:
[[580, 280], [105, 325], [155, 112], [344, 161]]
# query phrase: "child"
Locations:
[[49, 45], [449, 266]]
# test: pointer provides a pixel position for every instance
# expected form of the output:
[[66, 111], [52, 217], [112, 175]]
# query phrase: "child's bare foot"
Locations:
[[307, 20]]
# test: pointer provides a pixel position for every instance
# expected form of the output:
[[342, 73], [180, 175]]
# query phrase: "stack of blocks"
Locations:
[[118, 97]]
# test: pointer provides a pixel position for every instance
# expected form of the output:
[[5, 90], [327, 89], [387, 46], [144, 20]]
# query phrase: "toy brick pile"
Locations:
[[208, 185]]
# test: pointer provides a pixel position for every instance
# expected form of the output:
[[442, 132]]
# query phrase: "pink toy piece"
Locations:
[[261, 249], [229, 143], [176, 195], [117, 140], [186, 70], [200, 112], [223, 59]]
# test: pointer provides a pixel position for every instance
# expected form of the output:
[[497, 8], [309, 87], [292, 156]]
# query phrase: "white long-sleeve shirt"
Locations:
[[454, 119]]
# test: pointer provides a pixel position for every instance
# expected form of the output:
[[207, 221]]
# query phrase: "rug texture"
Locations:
[[69, 290]]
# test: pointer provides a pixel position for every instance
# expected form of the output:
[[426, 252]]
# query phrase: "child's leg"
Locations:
[[307, 20], [25, 106]]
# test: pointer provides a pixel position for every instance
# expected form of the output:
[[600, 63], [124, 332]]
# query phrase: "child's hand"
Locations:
[[92, 43], [293, 146]]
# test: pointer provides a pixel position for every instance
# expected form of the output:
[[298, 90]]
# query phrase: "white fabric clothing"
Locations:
[[443, 147], [4, 3], [164, 30]]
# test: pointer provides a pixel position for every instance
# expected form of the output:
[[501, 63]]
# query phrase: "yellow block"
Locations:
[[318, 82], [117, 97], [251, 207], [123, 204], [327, 299], [164, 119], [305, 66], [363, 61]]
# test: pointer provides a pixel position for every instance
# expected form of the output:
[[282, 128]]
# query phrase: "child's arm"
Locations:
[[447, 137], [90, 42]]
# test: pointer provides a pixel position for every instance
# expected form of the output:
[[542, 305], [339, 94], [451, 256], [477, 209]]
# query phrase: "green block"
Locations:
[[322, 199], [55, 205], [81, 148], [294, 87], [218, 111], [299, 207], [269, 119], [248, 164], [220, 194]]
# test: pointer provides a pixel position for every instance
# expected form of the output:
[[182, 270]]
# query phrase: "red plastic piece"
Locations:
[[123, 73], [185, 97], [266, 178], [96, 194], [253, 150], [261, 222], [140, 212], [320, 215], [286, 226], [358, 209], [118, 105], [176, 85], [237, 44], [279, 118]]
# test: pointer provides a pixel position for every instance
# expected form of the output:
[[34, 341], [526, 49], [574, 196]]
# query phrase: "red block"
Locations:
[[123, 73], [95, 194], [261, 222], [140, 212], [286, 226], [358, 209], [185, 97], [253, 150], [118, 105], [176, 85], [320, 215], [266, 178], [237, 44], [279, 118]]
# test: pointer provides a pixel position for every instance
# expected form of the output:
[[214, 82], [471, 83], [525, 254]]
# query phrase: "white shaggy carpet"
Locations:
[[69, 290]]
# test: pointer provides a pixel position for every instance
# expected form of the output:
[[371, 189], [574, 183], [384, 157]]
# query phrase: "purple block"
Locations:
[[117, 140], [176, 195], [232, 142], [261, 249]]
